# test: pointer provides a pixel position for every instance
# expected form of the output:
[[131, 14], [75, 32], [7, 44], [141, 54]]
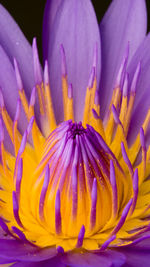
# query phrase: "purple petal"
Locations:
[[55, 262], [17, 250], [75, 26], [51, 8], [142, 99], [87, 260], [16, 46], [124, 23], [137, 256]]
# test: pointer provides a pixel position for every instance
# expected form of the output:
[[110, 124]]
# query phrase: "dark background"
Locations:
[[29, 15]]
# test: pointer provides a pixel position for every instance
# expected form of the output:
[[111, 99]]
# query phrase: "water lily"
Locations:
[[75, 161]]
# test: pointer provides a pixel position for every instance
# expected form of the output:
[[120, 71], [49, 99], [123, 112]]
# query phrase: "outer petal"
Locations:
[[87, 260], [137, 256], [16, 45], [18, 251], [74, 26], [124, 22], [142, 100], [49, 263]]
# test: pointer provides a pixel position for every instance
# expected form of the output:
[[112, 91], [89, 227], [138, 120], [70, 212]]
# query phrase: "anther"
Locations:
[[58, 213], [81, 237]]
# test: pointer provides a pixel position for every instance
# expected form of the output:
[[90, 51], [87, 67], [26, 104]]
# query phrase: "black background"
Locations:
[[29, 15]]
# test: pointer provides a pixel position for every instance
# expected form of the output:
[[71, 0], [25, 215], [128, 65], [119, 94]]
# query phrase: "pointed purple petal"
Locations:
[[17, 250], [142, 99], [75, 27], [124, 22], [16, 46]]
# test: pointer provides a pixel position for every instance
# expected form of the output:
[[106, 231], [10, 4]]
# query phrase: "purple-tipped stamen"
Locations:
[[70, 91], [1, 131], [18, 109], [95, 115], [4, 227], [19, 177], [63, 61], [114, 189], [18, 75], [36, 64], [32, 97], [142, 138], [123, 217], [122, 69], [93, 203], [107, 242], [60, 250], [96, 100], [58, 213], [1, 99], [126, 159], [91, 79], [115, 115], [135, 78], [81, 237], [44, 191], [19, 233], [30, 125], [135, 190], [125, 85], [23, 143], [16, 209], [46, 73]]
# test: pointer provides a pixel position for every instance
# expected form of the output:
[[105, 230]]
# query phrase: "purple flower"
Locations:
[[72, 193]]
